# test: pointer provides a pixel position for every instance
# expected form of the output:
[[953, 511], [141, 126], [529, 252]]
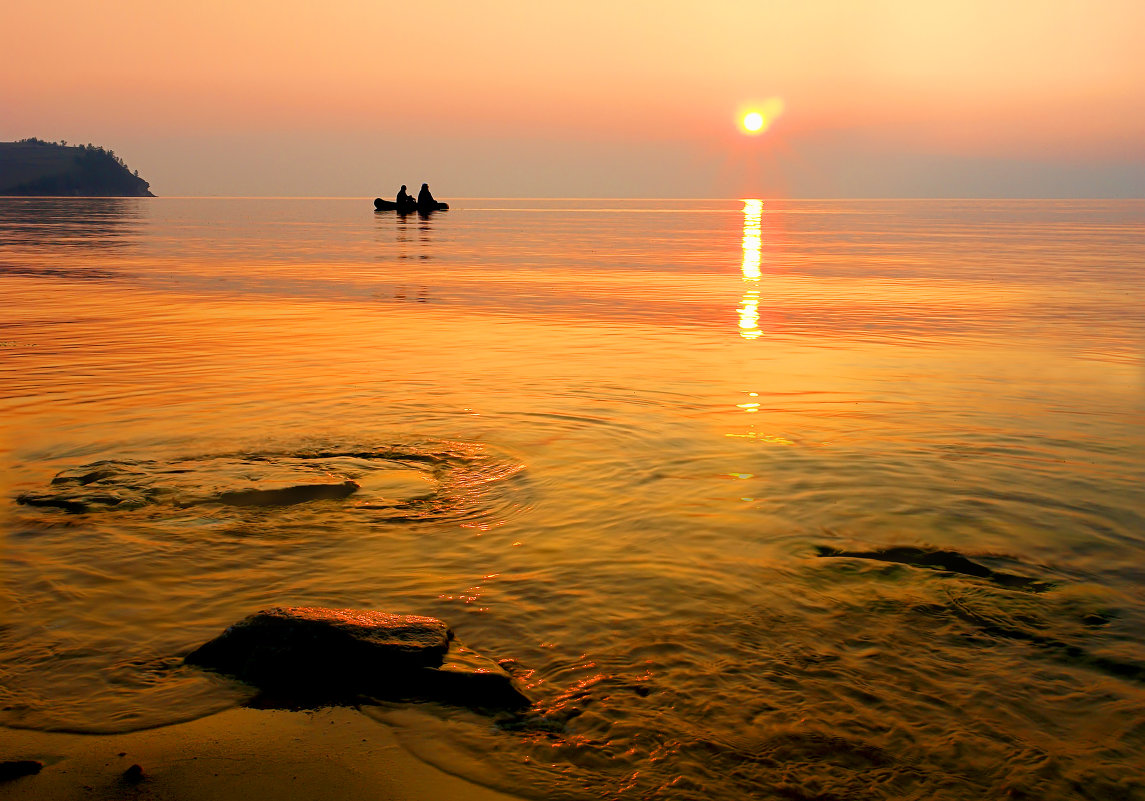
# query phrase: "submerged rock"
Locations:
[[79, 502], [288, 494], [15, 768], [938, 559], [317, 653], [269, 480]]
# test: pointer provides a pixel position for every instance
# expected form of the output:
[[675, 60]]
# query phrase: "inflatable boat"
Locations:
[[405, 208]]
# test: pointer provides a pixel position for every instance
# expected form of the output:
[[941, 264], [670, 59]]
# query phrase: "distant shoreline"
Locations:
[[35, 168]]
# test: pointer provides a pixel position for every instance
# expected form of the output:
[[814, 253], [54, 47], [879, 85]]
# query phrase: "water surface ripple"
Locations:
[[765, 499]]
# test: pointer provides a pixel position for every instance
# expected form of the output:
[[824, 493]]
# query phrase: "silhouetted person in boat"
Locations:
[[405, 200], [425, 201]]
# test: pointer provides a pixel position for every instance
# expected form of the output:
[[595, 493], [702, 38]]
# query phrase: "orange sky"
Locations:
[[568, 97]]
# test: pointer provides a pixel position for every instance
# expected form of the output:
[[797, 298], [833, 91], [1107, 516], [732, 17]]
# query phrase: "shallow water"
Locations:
[[618, 446]]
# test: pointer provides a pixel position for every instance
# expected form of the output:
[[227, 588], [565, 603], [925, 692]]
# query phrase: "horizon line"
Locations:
[[583, 197]]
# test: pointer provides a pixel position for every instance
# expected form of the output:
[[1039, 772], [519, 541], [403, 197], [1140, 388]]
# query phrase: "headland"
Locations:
[[33, 167]]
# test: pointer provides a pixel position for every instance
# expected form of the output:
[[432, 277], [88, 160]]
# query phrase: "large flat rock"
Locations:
[[318, 653]]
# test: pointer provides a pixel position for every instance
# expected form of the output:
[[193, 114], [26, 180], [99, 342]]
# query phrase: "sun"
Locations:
[[757, 117]]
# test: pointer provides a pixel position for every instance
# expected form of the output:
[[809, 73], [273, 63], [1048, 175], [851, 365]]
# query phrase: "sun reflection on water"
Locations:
[[752, 238], [752, 260]]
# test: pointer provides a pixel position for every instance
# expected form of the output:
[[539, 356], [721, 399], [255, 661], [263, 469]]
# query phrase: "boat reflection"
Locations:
[[406, 229], [752, 261]]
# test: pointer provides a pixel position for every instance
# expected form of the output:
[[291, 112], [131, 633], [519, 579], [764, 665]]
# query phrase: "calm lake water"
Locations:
[[621, 443]]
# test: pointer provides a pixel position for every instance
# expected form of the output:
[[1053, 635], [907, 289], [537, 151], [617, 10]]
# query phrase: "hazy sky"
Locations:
[[879, 98]]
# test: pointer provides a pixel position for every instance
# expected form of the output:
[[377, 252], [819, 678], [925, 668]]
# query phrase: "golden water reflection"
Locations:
[[752, 260], [752, 239]]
